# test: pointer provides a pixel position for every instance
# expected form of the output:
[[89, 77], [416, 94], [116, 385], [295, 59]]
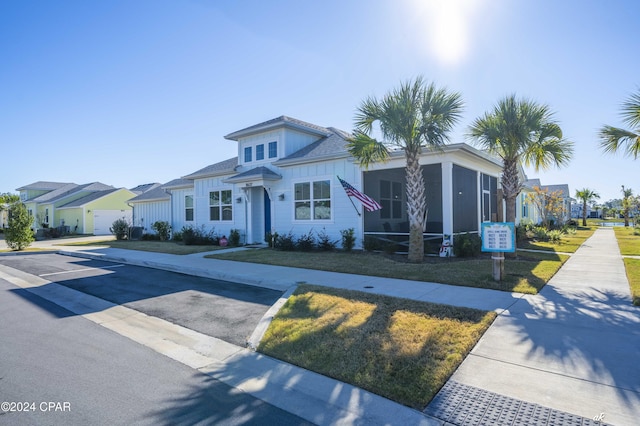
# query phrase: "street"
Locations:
[[60, 368], [220, 309]]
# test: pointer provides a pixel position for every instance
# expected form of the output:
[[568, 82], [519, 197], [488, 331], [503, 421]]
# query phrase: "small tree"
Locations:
[[120, 228], [162, 228], [549, 205], [19, 234], [627, 203]]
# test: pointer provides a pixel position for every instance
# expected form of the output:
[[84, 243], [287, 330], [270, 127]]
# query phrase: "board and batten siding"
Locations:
[[202, 189], [178, 207], [147, 213]]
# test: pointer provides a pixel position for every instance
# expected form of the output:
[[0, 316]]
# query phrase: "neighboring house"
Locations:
[[53, 204], [96, 212], [528, 212], [285, 179], [155, 205]]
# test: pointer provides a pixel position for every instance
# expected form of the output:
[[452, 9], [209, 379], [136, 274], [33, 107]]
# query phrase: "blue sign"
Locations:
[[498, 237]]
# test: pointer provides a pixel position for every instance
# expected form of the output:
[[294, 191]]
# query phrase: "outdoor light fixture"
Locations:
[[239, 200], [281, 197]]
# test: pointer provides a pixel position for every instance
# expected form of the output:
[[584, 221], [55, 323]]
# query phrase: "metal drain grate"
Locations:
[[460, 404]]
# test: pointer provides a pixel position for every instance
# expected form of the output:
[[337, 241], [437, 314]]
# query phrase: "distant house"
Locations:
[[55, 204], [285, 180], [527, 210]]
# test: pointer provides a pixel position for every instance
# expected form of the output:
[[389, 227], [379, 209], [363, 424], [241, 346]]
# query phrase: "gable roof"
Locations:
[[258, 173], [44, 186], [222, 168], [145, 187], [562, 188], [334, 145], [70, 189], [282, 121], [88, 198], [160, 193]]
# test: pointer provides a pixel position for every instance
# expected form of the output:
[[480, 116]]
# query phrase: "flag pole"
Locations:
[[354, 206]]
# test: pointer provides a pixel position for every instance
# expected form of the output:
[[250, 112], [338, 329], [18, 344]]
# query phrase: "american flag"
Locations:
[[369, 203]]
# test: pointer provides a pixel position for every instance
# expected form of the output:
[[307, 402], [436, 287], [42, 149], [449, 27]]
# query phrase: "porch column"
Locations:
[[447, 198]]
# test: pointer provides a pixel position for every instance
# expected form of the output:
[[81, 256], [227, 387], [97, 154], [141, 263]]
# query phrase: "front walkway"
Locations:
[[575, 347]]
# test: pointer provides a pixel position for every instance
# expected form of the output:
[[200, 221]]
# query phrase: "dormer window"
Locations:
[[247, 154], [273, 149]]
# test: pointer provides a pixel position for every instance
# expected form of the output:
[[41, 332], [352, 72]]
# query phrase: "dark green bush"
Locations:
[[371, 243], [234, 238], [306, 242], [120, 228], [325, 243], [19, 235], [192, 236], [467, 245], [286, 242], [348, 239], [162, 228], [271, 239]]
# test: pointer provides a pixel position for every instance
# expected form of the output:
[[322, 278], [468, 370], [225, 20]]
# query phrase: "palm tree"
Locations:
[[586, 195], [627, 201], [613, 138], [520, 131], [411, 117]]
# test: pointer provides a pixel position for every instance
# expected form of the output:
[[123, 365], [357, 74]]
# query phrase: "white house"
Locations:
[[285, 179]]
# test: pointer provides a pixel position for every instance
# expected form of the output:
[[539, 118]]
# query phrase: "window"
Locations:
[[313, 200], [188, 208], [390, 200], [273, 149], [259, 152], [247, 154], [46, 215], [220, 205]]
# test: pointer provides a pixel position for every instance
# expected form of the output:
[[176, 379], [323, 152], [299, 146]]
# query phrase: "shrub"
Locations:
[[325, 242], [162, 228], [150, 237], [371, 243], [120, 228], [467, 245], [286, 242], [271, 239], [348, 239], [197, 236], [555, 236], [234, 238], [19, 235], [306, 242], [540, 233]]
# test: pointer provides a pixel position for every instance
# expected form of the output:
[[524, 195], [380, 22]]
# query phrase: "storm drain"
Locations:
[[460, 404]]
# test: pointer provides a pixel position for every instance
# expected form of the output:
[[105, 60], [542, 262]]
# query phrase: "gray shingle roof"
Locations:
[[281, 121], [334, 145], [253, 174], [160, 193], [70, 189], [145, 187], [88, 198], [43, 185], [221, 168]]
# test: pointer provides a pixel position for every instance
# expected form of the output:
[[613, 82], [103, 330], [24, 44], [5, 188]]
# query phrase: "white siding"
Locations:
[[202, 189], [178, 209], [145, 214]]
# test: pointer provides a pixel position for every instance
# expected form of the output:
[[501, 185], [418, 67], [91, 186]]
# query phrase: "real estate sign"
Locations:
[[498, 237]]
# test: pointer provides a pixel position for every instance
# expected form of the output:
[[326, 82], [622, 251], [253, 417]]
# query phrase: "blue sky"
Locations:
[[131, 92]]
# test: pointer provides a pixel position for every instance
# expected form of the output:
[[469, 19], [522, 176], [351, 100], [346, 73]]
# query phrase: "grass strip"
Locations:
[[526, 274], [633, 275], [169, 247], [401, 349], [628, 242]]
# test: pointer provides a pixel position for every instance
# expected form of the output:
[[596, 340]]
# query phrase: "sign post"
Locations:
[[498, 238]]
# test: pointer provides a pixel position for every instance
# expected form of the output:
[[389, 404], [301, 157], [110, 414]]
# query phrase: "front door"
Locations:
[[267, 212]]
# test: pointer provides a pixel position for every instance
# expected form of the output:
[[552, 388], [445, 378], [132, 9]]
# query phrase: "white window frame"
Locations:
[[221, 205], [312, 200], [192, 208]]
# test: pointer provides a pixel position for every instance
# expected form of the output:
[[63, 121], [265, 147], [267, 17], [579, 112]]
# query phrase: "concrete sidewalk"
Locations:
[[575, 347]]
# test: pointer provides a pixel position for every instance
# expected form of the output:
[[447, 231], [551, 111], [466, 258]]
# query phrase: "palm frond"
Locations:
[[631, 110], [366, 150], [613, 138]]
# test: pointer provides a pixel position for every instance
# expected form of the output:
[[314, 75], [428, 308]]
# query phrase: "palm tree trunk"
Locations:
[[584, 213], [416, 205]]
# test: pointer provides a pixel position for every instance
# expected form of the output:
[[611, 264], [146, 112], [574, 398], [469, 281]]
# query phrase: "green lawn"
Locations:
[[527, 274], [568, 244], [629, 244], [401, 349], [170, 247]]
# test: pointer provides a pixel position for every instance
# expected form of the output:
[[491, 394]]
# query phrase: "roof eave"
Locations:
[[235, 136], [305, 160]]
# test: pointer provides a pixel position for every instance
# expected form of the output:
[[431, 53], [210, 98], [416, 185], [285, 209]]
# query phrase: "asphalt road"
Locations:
[[220, 309], [67, 370]]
